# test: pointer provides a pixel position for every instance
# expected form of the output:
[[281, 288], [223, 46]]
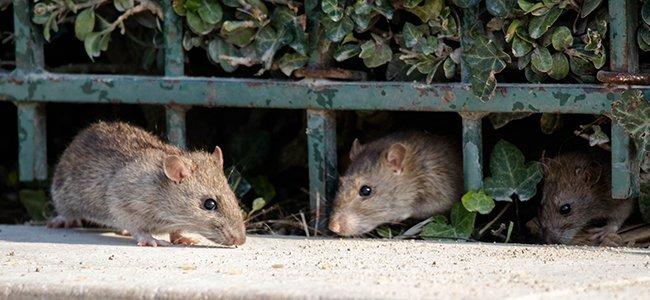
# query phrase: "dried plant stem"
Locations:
[[488, 225]]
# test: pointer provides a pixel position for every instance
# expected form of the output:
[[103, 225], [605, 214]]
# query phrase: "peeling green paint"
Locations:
[[563, 97]]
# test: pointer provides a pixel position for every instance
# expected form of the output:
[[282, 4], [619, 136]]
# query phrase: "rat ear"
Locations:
[[175, 169], [218, 155], [592, 172], [356, 149], [395, 157]]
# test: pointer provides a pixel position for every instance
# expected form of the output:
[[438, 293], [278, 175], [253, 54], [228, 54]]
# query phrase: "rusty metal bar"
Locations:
[[307, 94], [472, 121], [174, 66], [323, 177], [623, 58], [32, 142], [623, 78]]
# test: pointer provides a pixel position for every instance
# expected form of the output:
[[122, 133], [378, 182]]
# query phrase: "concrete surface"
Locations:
[[57, 263]]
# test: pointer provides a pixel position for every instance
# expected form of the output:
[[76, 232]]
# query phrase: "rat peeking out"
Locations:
[[120, 176], [403, 175], [577, 207]]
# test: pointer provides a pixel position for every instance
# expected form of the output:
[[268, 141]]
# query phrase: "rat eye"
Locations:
[[365, 191], [210, 204], [565, 209]]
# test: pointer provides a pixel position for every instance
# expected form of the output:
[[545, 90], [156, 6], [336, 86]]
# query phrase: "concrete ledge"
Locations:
[[46, 263]]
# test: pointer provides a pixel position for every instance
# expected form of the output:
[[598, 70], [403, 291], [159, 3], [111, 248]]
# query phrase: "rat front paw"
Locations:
[[178, 238], [63, 222], [600, 233], [148, 240]]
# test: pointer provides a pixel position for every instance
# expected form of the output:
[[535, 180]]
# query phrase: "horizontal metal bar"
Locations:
[[306, 94]]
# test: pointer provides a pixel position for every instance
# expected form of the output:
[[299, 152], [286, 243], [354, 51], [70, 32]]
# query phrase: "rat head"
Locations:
[[377, 188], [202, 199], [572, 199]]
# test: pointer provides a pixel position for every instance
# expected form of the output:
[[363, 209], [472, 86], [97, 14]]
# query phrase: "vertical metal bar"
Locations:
[[174, 66], [27, 38], [472, 150], [32, 142], [175, 124], [472, 122], [623, 57], [321, 147], [32, 139]]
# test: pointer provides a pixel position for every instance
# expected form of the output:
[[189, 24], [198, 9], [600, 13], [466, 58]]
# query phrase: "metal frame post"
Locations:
[[32, 138], [174, 66], [623, 58], [472, 122], [323, 177]]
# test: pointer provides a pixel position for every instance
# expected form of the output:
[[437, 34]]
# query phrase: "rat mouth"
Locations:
[[225, 238]]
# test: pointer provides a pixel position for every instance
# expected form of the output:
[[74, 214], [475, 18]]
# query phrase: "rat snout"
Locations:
[[235, 237], [342, 224]]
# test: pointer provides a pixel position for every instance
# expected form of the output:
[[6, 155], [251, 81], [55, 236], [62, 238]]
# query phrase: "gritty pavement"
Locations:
[[36, 262]]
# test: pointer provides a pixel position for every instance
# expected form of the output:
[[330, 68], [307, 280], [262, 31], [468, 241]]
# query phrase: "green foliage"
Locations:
[[632, 111], [95, 22], [426, 43], [478, 201], [510, 175], [36, 203], [460, 225], [643, 33], [540, 37], [246, 33]]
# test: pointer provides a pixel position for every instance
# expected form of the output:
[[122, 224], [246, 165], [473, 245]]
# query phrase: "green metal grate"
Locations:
[[30, 87]]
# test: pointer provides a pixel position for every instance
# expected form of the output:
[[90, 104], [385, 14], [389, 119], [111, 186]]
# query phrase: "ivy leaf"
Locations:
[[84, 23], [411, 34], [540, 24], [560, 67], [35, 202], [485, 60], [449, 67], [196, 24], [632, 111], [122, 5], [239, 185], [375, 54], [346, 51], [478, 201], [429, 11], [598, 137], [93, 43], [499, 120], [550, 122], [258, 204], [267, 43], [645, 12], [460, 227], [218, 48], [290, 62], [588, 6], [542, 59], [239, 33], [179, 7], [510, 175], [520, 47], [562, 38], [333, 9], [336, 31], [210, 12], [500, 8]]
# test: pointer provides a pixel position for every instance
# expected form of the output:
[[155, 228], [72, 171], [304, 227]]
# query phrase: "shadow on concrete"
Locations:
[[76, 236]]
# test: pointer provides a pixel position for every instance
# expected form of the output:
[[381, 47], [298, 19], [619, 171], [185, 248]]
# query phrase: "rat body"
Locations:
[[577, 206], [121, 176], [403, 175]]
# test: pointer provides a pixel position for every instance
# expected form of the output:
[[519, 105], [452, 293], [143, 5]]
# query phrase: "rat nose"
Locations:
[[334, 226]]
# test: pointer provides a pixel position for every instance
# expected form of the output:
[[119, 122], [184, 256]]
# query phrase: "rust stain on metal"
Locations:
[[448, 96], [623, 78], [331, 73]]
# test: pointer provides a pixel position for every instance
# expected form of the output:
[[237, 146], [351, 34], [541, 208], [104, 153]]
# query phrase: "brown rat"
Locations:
[[403, 175], [121, 176], [577, 206]]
